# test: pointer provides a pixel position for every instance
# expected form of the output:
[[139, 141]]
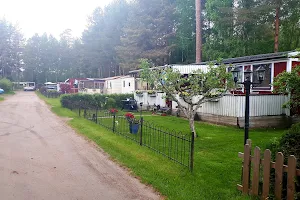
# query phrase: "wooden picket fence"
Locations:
[[266, 164]]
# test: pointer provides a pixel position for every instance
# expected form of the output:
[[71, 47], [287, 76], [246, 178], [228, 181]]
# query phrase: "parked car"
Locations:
[[29, 88], [1, 91]]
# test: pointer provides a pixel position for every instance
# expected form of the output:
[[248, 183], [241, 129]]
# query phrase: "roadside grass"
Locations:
[[6, 94], [217, 167], [10, 92]]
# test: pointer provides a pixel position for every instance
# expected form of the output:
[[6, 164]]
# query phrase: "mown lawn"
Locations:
[[217, 167]]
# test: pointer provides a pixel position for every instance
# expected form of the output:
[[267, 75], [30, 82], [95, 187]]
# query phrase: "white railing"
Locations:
[[234, 106], [229, 105]]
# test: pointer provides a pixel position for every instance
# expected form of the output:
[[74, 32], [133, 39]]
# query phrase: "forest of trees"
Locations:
[[163, 31]]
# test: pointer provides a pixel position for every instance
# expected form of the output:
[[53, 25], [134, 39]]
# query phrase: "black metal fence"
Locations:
[[51, 94], [171, 144]]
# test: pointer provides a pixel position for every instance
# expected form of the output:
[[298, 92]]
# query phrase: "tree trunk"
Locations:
[[276, 43], [192, 125], [198, 31]]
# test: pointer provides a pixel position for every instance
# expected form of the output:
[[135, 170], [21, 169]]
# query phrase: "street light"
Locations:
[[236, 73], [141, 104]]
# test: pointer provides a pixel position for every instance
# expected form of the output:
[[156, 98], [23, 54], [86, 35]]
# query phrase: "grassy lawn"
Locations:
[[1, 98], [217, 167]]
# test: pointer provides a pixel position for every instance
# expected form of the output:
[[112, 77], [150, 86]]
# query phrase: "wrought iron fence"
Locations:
[[51, 94], [174, 145]]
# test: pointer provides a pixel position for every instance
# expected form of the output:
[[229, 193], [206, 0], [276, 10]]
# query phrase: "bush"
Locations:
[[43, 89], [288, 144], [86, 101], [110, 103], [6, 85]]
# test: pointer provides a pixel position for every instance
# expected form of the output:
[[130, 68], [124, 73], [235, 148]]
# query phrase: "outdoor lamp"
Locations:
[[235, 73], [141, 104], [261, 71], [247, 74]]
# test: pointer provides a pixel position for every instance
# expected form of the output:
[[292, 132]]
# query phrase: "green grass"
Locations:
[[10, 92], [1, 98], [217, 167]]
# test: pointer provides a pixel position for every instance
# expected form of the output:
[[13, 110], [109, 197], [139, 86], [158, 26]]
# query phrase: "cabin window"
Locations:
[[123, 83], [97, 85], [129, 84], [110, 84], [266, 84]]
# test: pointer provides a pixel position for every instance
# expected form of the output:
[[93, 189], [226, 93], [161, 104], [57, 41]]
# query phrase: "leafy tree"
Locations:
[[41, 58], [148, 33], [185, 34], [11, 44], [100, 39], [189, 92]]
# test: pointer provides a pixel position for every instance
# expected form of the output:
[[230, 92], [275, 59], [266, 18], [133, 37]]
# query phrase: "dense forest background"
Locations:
[[163, 31]]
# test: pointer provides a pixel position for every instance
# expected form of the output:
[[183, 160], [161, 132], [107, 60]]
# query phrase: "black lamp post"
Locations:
[[141, 104], [260, 72]]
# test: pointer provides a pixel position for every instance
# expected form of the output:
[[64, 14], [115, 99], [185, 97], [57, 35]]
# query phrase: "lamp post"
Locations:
[[260, 72], [141, 104]]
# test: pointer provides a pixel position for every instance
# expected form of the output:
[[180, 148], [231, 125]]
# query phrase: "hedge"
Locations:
[[87, 101], [288, 144]]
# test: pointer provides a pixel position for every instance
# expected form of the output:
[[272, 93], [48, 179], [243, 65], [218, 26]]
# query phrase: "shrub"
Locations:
[[6, 85], [288, 144], [43, 89], [110, 103], [65, 88]]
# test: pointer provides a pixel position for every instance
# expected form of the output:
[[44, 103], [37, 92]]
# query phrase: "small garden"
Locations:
[[217, 165]]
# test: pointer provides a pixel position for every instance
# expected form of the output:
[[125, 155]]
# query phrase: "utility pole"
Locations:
[[198, 32]]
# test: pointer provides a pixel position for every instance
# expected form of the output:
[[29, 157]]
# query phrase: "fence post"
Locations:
[[192, 152], [96, 115], [141, 132], [246, 168], [114, 122]]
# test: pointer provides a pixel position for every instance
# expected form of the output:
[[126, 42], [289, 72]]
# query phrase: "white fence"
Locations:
[[260, 105], [229, 105]]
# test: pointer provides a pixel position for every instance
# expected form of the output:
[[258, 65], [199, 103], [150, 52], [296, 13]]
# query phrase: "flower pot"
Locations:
[[134, 128]]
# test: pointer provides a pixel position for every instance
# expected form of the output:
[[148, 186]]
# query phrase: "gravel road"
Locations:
[[42, 158]]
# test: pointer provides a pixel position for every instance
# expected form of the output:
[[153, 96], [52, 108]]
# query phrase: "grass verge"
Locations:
[[217, 167]]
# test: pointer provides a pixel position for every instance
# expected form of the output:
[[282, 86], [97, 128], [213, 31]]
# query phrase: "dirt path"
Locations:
[[42, 158]]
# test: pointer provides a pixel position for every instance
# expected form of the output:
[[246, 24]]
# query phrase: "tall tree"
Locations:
[[101, 38], [11, 45], [185, 32], [148, 33], [198, 31]]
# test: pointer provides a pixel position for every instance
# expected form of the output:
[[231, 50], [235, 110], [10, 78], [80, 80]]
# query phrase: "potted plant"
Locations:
[[133, 123], [152, 93], [139, 93]]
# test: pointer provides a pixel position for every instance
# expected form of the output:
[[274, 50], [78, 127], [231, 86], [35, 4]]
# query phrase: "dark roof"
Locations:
[[260, 57]]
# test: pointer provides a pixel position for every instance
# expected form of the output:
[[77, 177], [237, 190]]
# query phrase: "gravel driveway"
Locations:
[[42, 158]]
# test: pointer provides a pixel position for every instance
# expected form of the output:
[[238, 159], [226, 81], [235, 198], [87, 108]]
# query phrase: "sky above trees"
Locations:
[[50, 16]]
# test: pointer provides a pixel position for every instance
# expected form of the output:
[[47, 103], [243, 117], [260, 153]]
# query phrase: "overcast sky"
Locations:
[[50, 16]]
